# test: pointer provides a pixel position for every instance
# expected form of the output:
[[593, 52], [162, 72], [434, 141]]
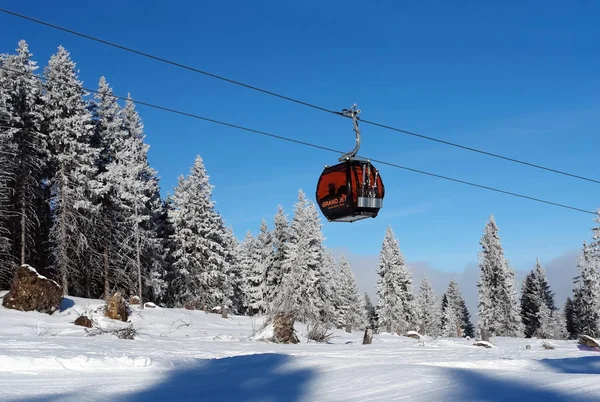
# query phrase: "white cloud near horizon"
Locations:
[[560, 271]]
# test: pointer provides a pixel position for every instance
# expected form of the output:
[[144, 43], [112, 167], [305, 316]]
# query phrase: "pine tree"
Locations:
[[198, 257], [427, 311], [72, 173], [395, 304], [26, 146], [498, 304], [351, 303], [586, 301]]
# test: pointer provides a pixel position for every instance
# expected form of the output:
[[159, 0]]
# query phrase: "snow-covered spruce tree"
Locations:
[[455, 317], [535, 292], [395, 305], [113, 229], [450, 322], [7, 159], [254, 274], [302, 285], [136, 188], [552, 323], [571, 319], [164, 232], [235, 274], [331, 312], [371, 318], [586, 300], [498, 303], [352, 307], [319, 285], [427, 309], [72, 174], [264, 265], [198, 257], [275, 275], [26, 146]]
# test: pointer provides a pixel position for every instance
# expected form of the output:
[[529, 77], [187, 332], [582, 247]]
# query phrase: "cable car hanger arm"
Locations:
[[353, 114]]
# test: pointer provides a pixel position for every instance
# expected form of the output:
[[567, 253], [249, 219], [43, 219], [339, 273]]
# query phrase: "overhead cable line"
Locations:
[[308, 144], [307, 104]]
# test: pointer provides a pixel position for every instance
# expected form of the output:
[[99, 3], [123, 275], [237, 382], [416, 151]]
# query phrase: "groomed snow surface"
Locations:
[[181, 355]]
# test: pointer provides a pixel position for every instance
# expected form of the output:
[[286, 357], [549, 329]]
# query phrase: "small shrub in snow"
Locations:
[[318, 332]]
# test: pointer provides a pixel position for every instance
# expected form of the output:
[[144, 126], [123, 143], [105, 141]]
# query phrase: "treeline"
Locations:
[[80, 202]]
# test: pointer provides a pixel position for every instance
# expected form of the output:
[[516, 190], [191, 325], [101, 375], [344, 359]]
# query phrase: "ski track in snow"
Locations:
[[181, 355]]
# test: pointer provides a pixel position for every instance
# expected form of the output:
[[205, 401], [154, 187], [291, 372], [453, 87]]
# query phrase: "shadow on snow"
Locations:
[[478, 386], [257, 377]]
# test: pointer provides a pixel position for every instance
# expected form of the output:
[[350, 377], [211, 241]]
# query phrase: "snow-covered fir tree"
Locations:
[[113, 230], [552, 323], [535, 292], [275, 275], [498, 301], [137, 188], [302, 284], [352, 309], [264, 266], [395, 305], [71, 176], [455, 317], [331, 312], [198, 257], [24, 151], [571, 319], [586, 295], [7, 154], [254, 274], [235, 274], [371, 316], [427, 309]]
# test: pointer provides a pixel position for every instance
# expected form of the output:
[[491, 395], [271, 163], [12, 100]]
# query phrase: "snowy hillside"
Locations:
[[180, 354]]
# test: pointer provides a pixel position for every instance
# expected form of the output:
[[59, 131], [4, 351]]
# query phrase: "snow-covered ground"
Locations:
[[193, 356]]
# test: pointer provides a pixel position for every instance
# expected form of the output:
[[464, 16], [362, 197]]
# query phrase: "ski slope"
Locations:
[[181, 355]]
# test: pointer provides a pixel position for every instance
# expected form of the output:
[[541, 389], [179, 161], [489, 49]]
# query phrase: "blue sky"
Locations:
[[515, 78]]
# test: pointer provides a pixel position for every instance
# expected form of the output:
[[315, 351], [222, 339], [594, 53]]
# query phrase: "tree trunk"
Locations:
[[485, 336], [106, 273], [368, 338], [63, 232], [23, 228], [348, 328], [139, 261], [224, 311]]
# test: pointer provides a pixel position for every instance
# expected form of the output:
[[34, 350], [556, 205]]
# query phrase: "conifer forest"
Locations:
[[80, 202]]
